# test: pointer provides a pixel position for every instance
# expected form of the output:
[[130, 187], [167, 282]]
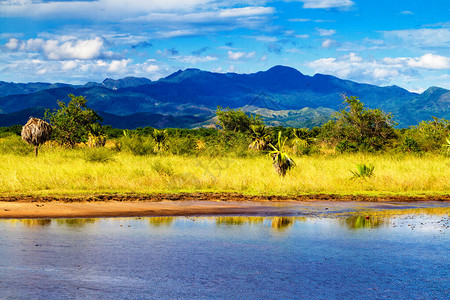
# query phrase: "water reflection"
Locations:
[[362, 221], [352, 220], [380, 218], [277, 223], [76, 222], [160, 221], [241, 220]]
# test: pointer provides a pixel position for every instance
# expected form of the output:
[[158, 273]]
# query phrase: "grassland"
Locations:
[[102, 171]]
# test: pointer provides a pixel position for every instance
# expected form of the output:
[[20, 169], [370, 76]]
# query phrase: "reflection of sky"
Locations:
[[225, 257]]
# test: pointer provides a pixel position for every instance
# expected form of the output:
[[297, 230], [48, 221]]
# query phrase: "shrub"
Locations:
[[97, 155], [138, 145], [162, 168], [363, 171], [14, 144]]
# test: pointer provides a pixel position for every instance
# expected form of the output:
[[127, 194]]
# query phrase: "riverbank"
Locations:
[[196, 204]]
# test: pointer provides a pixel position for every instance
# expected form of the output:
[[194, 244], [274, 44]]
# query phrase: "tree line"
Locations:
[[355, 128]]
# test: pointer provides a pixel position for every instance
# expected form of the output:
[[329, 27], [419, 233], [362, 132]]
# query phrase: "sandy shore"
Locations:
[[195, 204]]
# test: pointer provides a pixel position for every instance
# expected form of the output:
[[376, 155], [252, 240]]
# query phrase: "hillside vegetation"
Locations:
[[358, 152]]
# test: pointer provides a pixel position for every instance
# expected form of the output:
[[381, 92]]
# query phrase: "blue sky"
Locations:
[[406, 43]]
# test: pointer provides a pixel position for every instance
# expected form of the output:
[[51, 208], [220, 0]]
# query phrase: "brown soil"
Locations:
[[172, 204]]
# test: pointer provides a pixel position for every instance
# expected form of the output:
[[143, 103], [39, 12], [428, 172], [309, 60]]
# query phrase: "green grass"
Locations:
[[68, 172]]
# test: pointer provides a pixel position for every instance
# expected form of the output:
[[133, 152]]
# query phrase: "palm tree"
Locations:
[[260, 137], [298, 142], [281, 160], [96, 137], [160, 139]]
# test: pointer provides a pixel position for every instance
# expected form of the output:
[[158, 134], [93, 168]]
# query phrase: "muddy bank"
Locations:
[[219, 197], [202, 204]]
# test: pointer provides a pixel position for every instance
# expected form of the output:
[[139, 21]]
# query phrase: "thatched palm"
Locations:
[[36, 132], [281, 160]]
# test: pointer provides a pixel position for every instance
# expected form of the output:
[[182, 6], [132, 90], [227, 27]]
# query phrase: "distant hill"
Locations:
[[282, 95]]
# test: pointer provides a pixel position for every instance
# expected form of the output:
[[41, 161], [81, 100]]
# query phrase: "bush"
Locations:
[[98, 155], [367, 129], [14, 145], [346, 146], [138, 145], [181, 145], [410, 145], [162, 168]]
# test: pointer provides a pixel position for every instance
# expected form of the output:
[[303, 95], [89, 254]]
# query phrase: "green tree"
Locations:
[[236, 120], [71, 123], [357, 127], [430, 135]]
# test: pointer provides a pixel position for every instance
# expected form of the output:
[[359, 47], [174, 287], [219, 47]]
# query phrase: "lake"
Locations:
[[401, 253]]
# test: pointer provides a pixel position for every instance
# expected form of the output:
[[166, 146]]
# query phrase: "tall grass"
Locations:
[[69, 172]]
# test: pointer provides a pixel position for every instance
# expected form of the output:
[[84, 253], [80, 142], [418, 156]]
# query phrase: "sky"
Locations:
[[381, 42]]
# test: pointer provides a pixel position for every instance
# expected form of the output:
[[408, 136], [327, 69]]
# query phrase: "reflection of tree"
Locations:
[[36, 222], [238, 220], [158, 221], [282, 223], [362, 221], [75, 222]]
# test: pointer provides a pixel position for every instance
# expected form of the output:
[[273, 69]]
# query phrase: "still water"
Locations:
[[403, 254]]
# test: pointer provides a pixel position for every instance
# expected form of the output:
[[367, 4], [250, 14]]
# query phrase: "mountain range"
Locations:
[[189, 98]]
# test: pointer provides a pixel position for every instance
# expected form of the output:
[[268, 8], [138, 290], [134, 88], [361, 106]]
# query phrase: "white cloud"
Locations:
[[60, 50], [69, 65], [327, 3], [328, 43], [379, 71], [245, 12], [118, 66], [240, 55], [193, 59], [165, 18], [426, 61], [406, 12], [326, 32], [419, 38]]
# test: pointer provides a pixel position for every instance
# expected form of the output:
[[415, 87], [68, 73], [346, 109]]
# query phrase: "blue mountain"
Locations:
[[283, 94]]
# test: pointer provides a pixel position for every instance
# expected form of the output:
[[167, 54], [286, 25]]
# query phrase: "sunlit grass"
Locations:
[[68, 172]]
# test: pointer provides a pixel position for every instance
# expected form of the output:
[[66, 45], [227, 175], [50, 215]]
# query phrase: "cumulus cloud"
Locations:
[[426, 61], [240, 55], [378, 71], [327, 3], [60, 50]]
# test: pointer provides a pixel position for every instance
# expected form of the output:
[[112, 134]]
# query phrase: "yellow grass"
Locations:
[[66, 172]]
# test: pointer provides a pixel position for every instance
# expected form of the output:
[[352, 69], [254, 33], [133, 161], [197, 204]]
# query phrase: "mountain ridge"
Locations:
[[197, 93]]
